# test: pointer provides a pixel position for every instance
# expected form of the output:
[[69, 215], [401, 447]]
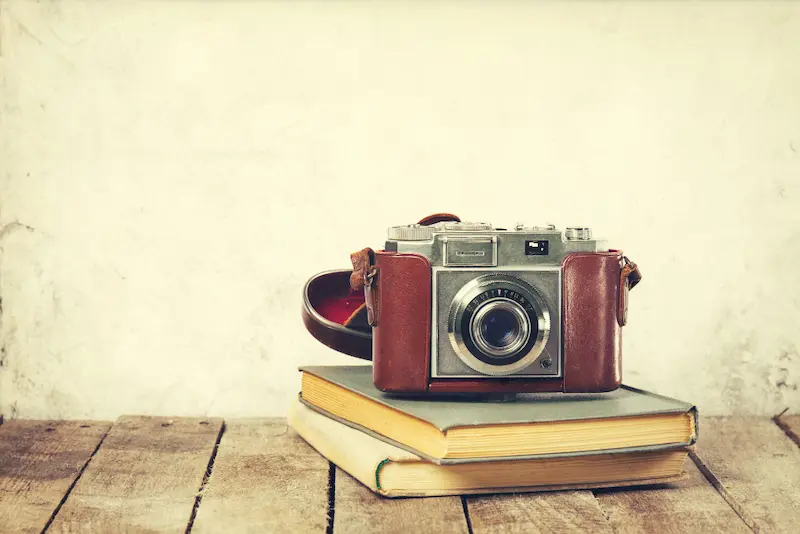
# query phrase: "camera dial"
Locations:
[[575, 233], [411, 232]]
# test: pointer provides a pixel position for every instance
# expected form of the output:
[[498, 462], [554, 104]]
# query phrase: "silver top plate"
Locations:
[[466, 244]]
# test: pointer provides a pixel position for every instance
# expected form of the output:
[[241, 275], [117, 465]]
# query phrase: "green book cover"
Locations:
[[455, 412]]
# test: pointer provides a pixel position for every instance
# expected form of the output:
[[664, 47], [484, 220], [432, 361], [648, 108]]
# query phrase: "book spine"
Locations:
[[378, 474]]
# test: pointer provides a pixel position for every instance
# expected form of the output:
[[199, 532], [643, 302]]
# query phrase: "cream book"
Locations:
[[394, 472], [463, 429]]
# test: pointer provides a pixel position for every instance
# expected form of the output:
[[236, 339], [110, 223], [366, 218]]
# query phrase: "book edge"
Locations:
[[305, 430], [452, 461], [301, 417], [683, 408], [537, 489]]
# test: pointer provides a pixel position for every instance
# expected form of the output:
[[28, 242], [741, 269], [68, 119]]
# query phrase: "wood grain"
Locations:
[[39, 461], [359, 510], [567, 511], [790, 424], [265, 479], [757, 467], [146, 474], [692, 505], [144, 478]]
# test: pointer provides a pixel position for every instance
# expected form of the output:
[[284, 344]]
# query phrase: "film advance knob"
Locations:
[[410, 232], [575, 233]]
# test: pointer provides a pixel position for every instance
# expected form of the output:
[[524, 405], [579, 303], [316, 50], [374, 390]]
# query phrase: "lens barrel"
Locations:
[[500, 327]]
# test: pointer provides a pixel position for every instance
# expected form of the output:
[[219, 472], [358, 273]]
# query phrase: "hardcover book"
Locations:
[[456, 430], [394, 472]]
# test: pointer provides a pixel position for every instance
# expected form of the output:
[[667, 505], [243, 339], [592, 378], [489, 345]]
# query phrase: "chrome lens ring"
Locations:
[[482, 291], [514, 336]]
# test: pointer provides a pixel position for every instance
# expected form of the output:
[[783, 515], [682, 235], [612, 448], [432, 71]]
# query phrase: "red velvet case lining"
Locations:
[[339, 308]]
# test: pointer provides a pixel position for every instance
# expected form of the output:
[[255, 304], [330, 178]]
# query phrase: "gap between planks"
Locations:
[[204, 483], [723, 491], [331, 497], [74, 482], [465, 506], [168, 458], [198, 497], [789, 426], [40, 463], [265, 478]]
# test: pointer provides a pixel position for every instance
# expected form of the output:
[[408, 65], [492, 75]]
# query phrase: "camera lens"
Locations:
[[500, 328], [498, 325]]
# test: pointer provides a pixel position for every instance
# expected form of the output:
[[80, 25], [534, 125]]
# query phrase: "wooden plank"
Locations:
[[358, 510], [756, 467], [565, 511], [691, 505], [265, 479], [144, 478], [790, 424], [39, 461]]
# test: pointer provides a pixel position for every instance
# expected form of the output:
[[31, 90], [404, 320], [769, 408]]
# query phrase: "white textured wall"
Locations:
[[172, 173]]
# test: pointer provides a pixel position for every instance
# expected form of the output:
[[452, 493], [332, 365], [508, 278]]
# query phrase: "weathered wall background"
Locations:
[[172, 172]]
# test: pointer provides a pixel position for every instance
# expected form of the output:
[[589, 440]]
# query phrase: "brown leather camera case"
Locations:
[[401, 335], [591, 329], [398, 297]]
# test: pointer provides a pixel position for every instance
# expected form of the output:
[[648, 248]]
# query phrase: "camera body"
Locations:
[[461, 307]]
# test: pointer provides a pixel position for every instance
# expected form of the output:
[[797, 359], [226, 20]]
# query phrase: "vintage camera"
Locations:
[[457, 307]]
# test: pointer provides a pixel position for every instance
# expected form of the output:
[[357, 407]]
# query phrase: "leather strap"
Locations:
[[437, 218], [363, 261], [629, 276]]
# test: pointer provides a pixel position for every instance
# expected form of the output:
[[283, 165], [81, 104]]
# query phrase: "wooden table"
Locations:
[[157, 474]]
